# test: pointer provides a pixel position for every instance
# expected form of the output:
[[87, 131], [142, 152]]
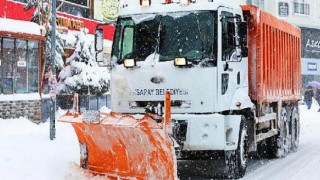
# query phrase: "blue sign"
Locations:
[[312, 66]]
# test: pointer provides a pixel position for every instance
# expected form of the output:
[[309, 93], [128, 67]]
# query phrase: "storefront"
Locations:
[[20, 64], [21, 54]]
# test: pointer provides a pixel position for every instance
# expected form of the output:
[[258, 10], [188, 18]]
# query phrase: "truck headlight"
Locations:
[[180, 61], [129, 63]]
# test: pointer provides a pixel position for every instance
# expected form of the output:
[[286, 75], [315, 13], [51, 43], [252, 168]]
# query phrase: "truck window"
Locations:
[[228, 35], [117, 46], [224, 83], [243, 36], [127, 45], [146, 37]]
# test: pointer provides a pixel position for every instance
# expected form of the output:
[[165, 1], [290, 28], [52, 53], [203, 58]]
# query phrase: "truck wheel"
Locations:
[[236, 161], [279, 145], [295, 129]]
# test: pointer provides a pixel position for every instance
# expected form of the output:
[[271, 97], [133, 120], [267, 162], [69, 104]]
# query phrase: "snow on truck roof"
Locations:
[[17, 26], [129, 7]]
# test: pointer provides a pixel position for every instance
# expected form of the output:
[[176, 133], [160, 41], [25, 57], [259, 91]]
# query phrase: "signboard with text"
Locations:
[[310, 43], [22, 64]]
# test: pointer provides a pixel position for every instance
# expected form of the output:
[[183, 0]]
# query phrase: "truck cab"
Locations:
[[197, 52]]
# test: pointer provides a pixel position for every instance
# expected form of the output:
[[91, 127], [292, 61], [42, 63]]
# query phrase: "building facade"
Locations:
[[306, 15], [22, 53]]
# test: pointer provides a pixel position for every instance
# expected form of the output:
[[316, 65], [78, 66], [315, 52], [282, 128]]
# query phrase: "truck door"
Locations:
[[229, 62]]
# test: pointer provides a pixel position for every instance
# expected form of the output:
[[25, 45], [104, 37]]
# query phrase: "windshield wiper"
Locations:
[[158, 37], [201, 38]]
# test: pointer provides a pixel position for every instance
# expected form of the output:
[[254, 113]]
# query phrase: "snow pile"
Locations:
[[11, 25], [20, 97], [28, 153]]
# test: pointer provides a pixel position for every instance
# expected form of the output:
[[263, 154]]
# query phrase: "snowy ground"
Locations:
[[28, 153]]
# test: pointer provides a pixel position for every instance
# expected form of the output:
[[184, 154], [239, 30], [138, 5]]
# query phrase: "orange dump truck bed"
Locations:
[[274, 48]]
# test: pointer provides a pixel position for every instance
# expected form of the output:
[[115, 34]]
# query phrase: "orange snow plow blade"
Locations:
[[122, 147]]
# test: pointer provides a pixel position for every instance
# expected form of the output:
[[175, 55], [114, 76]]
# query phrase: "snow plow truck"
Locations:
[[190, 79]]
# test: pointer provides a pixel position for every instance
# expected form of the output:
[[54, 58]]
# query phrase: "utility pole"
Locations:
[[53, 80]]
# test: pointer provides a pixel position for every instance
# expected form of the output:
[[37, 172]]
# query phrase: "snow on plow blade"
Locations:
[[120, 146]]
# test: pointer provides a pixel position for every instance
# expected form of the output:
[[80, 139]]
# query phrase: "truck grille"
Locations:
[[175, 103]]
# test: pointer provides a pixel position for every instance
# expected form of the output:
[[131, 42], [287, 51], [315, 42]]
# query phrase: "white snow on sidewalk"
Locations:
[[28, 153]]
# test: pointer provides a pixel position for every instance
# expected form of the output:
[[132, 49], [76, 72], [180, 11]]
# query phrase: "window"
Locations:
[[283, 10], [228, 35], [33, 64], [224, 83], [21, 66], [191, 35], [76, 7], [259, 3], [7, 65], [19, 62], [23, 1], [300, 7]]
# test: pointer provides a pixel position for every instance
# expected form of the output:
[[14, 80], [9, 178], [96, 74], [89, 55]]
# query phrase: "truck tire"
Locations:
[[295, 129], [236, 160], [279, 144]]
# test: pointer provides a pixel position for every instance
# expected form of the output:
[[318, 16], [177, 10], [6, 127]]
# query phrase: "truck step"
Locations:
[[230, 143], [266, 135], [267, 117]]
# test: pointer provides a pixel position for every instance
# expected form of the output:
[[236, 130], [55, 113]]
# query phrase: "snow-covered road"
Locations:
[[303, 164], [27, 153]]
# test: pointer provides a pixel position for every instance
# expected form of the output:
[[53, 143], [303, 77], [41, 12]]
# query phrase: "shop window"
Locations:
[[7, 65], [75, 7], [33, 64], [19, 66]]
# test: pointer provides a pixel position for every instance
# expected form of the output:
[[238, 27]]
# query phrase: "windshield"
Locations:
[[177, 34]]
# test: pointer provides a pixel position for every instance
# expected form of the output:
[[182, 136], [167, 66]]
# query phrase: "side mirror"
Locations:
[[98, 44]]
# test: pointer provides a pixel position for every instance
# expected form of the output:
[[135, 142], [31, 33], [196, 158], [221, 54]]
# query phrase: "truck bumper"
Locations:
[[206, 132]]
